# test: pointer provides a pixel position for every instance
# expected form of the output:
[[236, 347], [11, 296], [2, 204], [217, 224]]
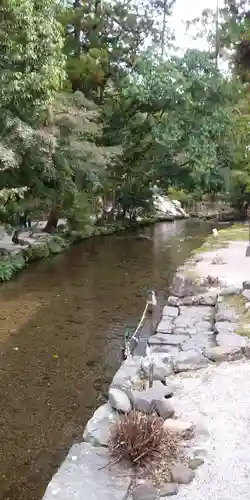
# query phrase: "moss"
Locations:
[[237, 303], [37, 252]]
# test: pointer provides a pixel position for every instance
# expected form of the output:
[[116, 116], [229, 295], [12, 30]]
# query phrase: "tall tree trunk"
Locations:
[[52, 219]]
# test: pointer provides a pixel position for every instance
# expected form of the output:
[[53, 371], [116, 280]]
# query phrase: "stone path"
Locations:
[[218, 398]]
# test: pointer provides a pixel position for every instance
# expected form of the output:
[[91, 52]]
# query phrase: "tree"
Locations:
[[176, 124], [103, 40], [32, 70]]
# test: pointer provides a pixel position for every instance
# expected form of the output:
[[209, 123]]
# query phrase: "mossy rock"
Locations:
[[36, 252], [55, 247]]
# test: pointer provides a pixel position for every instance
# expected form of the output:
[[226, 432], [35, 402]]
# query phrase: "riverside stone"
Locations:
[[164, 409], [231, 340], [189, 360], [198, 313], [168, 490], [145, 491], [84, 474], [246, 294], [204, 326], [169, 339], [169, 311], [246, 285], [165, 325], [97, 430], [181, 474], [158, 392], [226, 314], [119, 400], [177, 426], [223, 353], [231, 290], [195, 462], [128, 371], [174, 301], [161, 370], [225, 327], [183, 285]]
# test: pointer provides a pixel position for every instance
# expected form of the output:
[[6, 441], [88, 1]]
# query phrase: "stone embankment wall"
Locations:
[[198, 327]]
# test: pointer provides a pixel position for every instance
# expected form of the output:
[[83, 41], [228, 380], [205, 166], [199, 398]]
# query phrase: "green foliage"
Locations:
[[10, 266]]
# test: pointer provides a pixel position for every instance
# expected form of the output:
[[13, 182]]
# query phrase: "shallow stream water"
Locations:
[[61, 328]]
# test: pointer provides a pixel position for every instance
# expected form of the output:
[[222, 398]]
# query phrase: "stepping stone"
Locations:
[[171, 312], [189, 360], [168, 490], [181, 474], [177, 426], [223, 353], [165, 325], [145, 492]]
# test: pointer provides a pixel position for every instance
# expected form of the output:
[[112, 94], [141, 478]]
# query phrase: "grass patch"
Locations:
[[237, 232], [237, 303]]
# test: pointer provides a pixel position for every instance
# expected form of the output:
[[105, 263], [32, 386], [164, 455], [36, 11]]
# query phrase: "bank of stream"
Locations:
[[61, 328]]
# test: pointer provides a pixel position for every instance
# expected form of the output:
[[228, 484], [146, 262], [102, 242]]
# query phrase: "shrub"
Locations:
[[141, 440]]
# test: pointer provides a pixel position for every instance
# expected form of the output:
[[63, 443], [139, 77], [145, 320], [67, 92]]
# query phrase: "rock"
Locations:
[[178, 426], [161, 369], [189, 360], [169, 311], [191, 300], [223, 353], [168, 489], [174, 301], [84, 474], [182, 286], [144, 491], [204, 326], [225, 327], [119, 400], [165, 325], [247, 350], [197, 313], [181, 474], [165, 349], [231, 340], [246, 294], [143, 404], [208, 298], [247, 306], [158, 392], [97, 430], [225, 315], [184, 321], [195, 462], [246, 285], [231, 290], [164, 409], [128, 371], [169, 339]]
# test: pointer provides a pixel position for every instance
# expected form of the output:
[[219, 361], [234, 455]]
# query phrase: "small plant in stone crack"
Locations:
[[141, 440]]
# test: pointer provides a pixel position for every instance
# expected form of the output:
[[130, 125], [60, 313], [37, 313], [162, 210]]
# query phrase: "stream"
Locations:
[[61, 329]]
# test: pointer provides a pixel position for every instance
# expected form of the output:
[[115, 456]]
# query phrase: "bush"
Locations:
[[141, 440]]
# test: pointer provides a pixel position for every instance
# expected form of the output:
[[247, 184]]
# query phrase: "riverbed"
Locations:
[[61, 328]]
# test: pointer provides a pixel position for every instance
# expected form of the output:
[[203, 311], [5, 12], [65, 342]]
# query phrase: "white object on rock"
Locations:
[[215, 232]]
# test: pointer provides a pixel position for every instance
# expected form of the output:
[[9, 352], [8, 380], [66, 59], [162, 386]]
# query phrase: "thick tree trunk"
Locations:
[[52, 219]]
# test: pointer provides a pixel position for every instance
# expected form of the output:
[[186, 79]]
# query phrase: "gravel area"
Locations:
[[218, 399]]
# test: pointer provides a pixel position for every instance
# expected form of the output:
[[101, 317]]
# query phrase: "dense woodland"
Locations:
[[96, 103]]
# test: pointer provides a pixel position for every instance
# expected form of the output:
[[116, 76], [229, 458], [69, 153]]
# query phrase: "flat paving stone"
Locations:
[[165, 325], [161, 338], [84, 474], [223, 353], [189, 360], [169, 311]]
